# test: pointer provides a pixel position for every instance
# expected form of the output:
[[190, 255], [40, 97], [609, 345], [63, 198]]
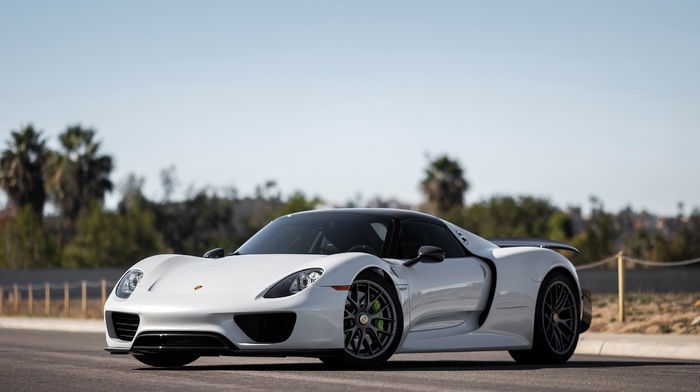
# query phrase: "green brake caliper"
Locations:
[[380, 323]]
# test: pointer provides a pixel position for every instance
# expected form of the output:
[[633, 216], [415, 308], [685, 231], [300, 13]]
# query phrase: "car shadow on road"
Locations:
[[456, 365], [417, 366]]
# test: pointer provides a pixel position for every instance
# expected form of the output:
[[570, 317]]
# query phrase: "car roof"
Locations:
[[391, 213]]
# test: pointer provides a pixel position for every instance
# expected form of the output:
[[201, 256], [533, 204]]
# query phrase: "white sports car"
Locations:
[[352, 287]]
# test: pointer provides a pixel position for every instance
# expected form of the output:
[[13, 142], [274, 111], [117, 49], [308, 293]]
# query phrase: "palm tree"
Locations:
[[81, 174], [444, 185], [21, 169]]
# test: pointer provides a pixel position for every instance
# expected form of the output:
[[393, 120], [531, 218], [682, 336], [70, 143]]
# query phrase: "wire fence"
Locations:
[[646, 263], [596, 264], [649, 263], [622, 260], [26, 298]]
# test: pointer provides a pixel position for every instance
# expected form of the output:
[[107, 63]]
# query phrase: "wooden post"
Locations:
[[66, 301], [104, 292], [30, 298], [47, 299], [83, 304], [621, 287], [15, 293]]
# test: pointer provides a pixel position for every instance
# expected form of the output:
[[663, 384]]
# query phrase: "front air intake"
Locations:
[[125, 325], [267, 327], [199, 343]]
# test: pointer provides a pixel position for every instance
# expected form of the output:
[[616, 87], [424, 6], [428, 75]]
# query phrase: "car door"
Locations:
[[442, 294]]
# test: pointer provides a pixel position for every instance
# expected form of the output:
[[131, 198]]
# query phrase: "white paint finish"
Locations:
[[441, 302], [442, 294]]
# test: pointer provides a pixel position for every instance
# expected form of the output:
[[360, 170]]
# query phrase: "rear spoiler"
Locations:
[[532, 242]]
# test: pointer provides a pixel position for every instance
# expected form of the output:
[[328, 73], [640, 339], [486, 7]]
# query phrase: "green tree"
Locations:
[[24, 243], [683, 243], [81, 173], [444, 185], [295, 203], [524, 216], [169, 182], [597, 240], [111, 239], [643, 244], [197, 224], [253, 213], [560, 227], [22, 169]]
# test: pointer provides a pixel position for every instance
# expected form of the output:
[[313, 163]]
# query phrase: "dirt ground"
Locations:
[[648, 313]]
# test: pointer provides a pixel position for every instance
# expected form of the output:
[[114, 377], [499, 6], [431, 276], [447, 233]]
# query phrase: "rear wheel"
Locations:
[[372, 325], [556, 322], [166, 360]]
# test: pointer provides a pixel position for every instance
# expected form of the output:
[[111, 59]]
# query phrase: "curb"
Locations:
[[638, 345], [685, 347], [53, 324]]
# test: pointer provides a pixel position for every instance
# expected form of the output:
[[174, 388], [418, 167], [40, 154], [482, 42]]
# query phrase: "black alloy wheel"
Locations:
[[556, 322], [372, 323]]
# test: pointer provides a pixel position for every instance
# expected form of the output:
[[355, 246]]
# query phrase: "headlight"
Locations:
[[294, 283], [128, 283]]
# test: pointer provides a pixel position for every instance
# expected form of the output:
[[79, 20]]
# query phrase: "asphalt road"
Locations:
[[70, 361]]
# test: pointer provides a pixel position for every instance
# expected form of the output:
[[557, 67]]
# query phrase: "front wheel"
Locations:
[[372, 325], [166, 360], [556, 322]]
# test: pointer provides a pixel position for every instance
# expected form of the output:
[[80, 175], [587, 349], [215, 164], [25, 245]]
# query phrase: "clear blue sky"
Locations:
[[554, 99]]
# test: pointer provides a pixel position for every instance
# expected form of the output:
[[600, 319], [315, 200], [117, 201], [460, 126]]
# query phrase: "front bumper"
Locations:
[[306, 324], [206, 344]]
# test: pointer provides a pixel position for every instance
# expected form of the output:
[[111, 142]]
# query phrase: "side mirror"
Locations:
[[215, 253], [427, 254]]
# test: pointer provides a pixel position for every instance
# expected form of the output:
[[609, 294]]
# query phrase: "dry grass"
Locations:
[[646, 313]]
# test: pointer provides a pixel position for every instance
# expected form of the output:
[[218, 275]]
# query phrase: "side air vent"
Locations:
[[125, 325], [267, 327]]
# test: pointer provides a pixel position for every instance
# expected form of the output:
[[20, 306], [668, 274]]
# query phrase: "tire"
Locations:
[[166, 360], [556, 322], [372, 327]]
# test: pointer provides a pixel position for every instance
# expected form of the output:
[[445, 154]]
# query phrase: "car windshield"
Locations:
[[321, 233]]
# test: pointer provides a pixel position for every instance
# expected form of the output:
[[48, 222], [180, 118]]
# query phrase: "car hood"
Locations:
[[185, 274]]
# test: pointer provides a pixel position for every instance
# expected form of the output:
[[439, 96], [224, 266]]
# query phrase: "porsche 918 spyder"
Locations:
[[352, 287]]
